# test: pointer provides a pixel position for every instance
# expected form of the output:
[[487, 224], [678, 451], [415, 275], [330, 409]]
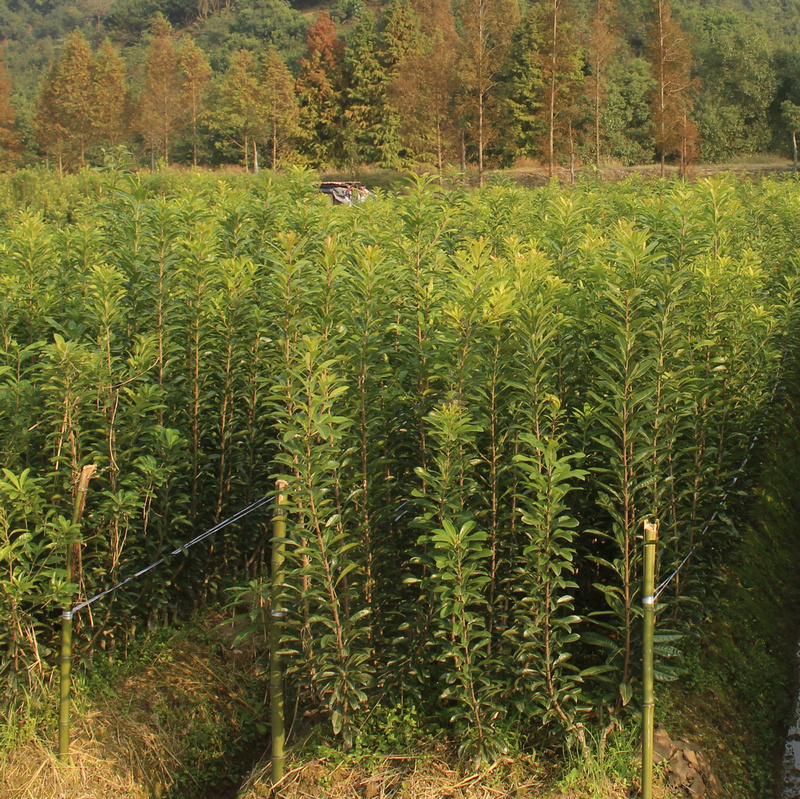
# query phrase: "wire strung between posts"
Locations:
[[664, 583], [182, 549]]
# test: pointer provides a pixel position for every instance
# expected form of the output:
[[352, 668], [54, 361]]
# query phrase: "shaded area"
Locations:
[[735, 697]]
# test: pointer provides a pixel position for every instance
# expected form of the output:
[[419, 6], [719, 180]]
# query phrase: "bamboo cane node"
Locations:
[[651, 532]]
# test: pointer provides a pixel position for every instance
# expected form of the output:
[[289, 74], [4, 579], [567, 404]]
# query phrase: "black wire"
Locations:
[[196, 540]]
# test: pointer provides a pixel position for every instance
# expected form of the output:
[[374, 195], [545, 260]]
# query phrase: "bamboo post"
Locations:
[[648, 705], [64, 676], [66, 617], [277, 616]]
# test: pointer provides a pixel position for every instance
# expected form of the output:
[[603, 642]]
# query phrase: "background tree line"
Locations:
[[480, 82]]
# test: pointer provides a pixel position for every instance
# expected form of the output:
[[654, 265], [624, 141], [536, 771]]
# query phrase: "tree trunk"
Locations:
[[684, 145], [480, 139], [597, 112], [439, 148], [194, 128], [255, 158], [661, 82], [794, 149], [274, 146], [552, 120], [166, 122], [482, 89], [571, 155]]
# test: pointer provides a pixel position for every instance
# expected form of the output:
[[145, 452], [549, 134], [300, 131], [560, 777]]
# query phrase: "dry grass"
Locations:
[[103, 771], [97, 771], [400, 777], [434, 776], [171, 717]]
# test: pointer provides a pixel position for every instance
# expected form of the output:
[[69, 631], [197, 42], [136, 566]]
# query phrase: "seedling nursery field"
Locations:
[[476, 399]]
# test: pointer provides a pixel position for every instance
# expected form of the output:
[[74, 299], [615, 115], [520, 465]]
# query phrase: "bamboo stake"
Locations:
[[63, 704], [277, 616], [66, 617], [648, 705]]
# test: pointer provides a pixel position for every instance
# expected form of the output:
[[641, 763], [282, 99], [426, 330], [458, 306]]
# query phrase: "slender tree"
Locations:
[[486, 27], [689, 144], [49, 129], [563, 64], [604, 43], [240, 112], [671, 102], [9, 141], [111, 101], [525, 90], [543, 78], [425, 82], [281, 110], [318, 91], [77, 108], [195, 72], [369, 132], [159, 102], [66, 103], [398, 41]]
